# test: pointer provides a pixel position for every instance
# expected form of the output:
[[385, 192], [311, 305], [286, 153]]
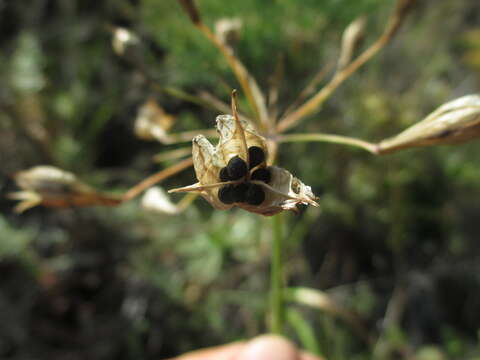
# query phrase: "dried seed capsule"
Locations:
[[261, 175], [254, 195], [225, 194], [236, 168], [239, 192], [256, 156], [224, 175]]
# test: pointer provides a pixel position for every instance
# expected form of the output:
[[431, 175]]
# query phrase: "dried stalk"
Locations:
[[336, 139], [392, 27], [156, 178]]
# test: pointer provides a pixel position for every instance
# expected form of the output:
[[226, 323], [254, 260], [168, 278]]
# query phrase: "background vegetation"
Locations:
[[394, 240]]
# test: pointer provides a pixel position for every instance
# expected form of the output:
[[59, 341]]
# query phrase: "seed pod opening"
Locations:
[[261, 174], [256, 156], [239, 192], [255, 195], [220, 170]]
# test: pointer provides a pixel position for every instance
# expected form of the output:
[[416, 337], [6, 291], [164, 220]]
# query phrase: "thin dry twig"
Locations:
[[156, 178], [337, 139], [392, 27]]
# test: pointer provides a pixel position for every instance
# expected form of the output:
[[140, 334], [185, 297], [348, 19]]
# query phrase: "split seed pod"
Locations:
[[454, 122], [283, 191]]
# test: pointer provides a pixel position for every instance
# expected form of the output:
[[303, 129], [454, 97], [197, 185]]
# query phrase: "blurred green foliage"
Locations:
[[122, 283]]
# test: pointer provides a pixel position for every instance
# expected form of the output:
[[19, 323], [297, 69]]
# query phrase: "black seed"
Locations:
[[255, 195], [255, 156], [225, 194], [236, 168], [261, 175], [224, 175], [239, 192]]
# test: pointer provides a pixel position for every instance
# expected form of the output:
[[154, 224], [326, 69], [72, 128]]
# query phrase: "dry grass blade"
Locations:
[[394, 23], [156, 178]]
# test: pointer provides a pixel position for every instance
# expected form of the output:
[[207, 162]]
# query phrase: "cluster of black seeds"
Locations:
[[236, 169]]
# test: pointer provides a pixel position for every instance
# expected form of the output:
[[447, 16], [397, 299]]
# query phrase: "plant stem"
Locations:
[[276, 277], [337, 139]]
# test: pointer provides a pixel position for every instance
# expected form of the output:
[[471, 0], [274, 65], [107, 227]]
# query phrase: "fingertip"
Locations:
[[307, 356], [268, 347]]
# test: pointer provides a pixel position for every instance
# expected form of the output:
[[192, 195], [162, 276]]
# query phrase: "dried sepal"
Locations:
[[53, 187], [153, 123], [454, 122], [157, 200], [278, 191]]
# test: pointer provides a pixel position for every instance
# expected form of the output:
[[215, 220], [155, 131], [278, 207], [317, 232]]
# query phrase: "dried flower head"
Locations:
[[53, 187], [455, 122], [235, 172]]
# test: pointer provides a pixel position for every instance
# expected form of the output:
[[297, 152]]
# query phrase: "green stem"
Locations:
[[276, 278], [337, 139]]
